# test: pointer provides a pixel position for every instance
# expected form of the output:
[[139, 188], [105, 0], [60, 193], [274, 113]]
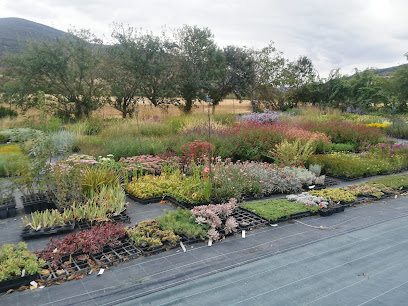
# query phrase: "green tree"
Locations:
[[199, 64], [399, 87], [237, 75], [366, 90], [269, 78], [67, 69], [146, 63], [298, 75]]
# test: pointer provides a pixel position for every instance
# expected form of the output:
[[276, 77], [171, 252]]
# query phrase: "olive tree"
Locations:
[[67, 69]]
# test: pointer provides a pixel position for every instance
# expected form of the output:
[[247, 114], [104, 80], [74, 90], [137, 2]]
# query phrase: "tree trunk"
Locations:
[[189, 104]]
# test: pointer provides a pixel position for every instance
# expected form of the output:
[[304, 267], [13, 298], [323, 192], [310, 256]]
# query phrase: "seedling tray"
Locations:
[[144, 200], [247, 220], [188, 240], [75, 268], [85, 224], [113, 255], [29, 233]]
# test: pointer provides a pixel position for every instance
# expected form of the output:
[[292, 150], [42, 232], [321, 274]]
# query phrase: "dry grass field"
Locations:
[[227, 106]]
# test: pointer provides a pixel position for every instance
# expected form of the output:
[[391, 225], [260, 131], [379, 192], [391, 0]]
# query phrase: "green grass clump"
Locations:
[[180, 222], [128, 146], [9, 163], [274, 209], [339, 147], [391, 181]]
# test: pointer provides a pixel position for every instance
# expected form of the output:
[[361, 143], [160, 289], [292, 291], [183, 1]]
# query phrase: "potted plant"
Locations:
[[18, 266], [182, 224], [7, 200], [47, 222], [148, 236]]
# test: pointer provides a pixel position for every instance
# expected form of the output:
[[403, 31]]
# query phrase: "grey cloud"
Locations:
[[333, 34]]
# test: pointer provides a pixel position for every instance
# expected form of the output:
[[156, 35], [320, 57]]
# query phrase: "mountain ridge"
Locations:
[[16, 32]]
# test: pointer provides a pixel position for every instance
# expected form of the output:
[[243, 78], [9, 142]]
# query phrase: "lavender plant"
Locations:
[[266, 117]]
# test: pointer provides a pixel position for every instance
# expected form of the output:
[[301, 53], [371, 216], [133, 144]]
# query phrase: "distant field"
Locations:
[[227, 106]]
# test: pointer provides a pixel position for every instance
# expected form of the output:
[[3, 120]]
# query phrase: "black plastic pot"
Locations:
[[3, 212], [278, 220], [300, 215], [29, 233], [347, 204], [36, 202], [146, 251], [86, 224], [17, 282], [185, 204], [145, 200], [189, 240], [8, 208]]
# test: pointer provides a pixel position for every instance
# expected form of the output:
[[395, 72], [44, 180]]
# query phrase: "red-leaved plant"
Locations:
[[198, 151], [85, 242]]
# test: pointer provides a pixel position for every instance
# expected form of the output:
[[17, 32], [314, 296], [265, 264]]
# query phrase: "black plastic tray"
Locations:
[[17, 282], [29, 233]]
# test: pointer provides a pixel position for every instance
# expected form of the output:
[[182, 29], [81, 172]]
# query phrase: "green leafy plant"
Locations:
[[15, 259], [365, 189], [45, 219], [395, 182], [180, 222], [275, 209], [292, 153], [96, 177], [147, 234], [335, 194]]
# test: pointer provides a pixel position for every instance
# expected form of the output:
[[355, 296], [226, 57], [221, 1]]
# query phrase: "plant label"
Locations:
[[23, 273], [243, 233], [100, 272], [209, 242], [183, 247], [34, 284]]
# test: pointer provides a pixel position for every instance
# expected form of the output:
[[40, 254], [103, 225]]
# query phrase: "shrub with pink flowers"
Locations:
[[151, 164], [218, 217]]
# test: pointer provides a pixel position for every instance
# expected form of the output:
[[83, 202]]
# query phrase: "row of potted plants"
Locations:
[[328, 201], [78, 252], [225, 180], [101, 207], [371, 160]]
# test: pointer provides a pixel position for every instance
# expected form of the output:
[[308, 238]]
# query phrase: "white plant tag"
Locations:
[[34, 284], [183, 247], [23, 273], [101, 272], [243, 233], [209, 242], [312, 186]]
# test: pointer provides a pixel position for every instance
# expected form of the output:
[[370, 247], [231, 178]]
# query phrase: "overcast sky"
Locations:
[[342, 34]]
